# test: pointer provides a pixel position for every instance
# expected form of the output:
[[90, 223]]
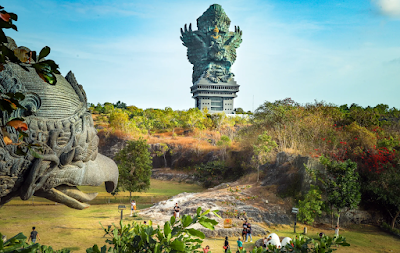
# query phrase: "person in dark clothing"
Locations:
[[226, 244], [244, 231], [34, 235], [249, 233]]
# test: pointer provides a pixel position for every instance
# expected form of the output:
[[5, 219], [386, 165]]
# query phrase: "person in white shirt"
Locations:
[[133, 207]]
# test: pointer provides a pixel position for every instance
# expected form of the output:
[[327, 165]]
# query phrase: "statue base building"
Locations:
[[216, 97]]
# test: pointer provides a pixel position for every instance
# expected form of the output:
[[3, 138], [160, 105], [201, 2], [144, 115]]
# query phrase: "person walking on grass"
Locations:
[[249, 233], [336, 231], [176, 211], [226, 244], [240, 244], [34, 235], [244, 231], [133, 207]]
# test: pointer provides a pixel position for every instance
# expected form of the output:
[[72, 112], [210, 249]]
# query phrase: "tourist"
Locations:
[[176, 211], [265, 241], [245, 223], [240, 243], [226, 244], [133, 207], [33, 235], [336, 231], [249, 233], [206, 249], [244, 231]]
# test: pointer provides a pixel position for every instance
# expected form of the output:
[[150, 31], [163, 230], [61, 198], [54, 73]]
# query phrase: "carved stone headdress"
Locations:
[[58, 120]]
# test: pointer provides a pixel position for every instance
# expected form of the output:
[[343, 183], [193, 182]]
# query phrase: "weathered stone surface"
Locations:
[[259, 243], [289, 173], [58, 120], [216, 200], [165, 175]]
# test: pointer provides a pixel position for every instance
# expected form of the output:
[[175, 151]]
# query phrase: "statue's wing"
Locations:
[[195, 44], [232, 43]]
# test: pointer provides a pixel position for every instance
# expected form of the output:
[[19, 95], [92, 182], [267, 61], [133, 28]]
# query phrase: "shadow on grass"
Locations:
[[73, 248]]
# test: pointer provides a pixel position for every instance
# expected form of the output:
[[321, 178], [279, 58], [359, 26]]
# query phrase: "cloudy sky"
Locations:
[[342, 51]]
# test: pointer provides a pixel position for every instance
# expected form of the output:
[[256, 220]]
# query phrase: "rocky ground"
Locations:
[[234, 201]]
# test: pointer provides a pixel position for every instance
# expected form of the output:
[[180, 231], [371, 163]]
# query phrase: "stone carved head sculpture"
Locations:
[[59, 121]]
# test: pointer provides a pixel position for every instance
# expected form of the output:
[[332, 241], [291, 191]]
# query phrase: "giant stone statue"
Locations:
[[60, 123], [212, 51]]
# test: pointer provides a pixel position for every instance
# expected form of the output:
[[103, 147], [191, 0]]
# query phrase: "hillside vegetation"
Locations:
[[368, 136]]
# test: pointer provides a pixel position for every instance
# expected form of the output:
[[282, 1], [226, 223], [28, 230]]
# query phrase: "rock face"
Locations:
[[223, 201], [289, 173], [59, 122], [168, 175]]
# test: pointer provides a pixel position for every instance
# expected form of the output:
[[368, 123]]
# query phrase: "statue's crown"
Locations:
[[212, 18]]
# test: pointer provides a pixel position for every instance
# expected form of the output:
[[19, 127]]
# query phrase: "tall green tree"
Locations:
[[342, 184], [134, 165], [386, 188]]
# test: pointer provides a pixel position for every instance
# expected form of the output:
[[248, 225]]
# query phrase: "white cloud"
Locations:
[[389, 8]]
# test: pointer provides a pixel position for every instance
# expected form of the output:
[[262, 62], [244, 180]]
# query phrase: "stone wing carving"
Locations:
[[195, 43], [232, 43]]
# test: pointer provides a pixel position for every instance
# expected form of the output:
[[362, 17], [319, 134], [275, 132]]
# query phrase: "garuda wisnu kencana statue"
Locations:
[[212, 48], [60, 127]]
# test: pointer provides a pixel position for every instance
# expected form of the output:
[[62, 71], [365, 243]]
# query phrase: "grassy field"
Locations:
[[63, 227]]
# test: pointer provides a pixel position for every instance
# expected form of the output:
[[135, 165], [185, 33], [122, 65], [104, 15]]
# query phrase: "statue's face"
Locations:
[[64, 129]]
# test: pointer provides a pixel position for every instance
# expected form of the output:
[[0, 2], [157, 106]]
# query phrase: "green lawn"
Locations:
[[60, 226]]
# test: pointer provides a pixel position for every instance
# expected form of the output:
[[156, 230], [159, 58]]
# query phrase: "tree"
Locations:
[[311, 206], [264, 144], [224, 143], [386, 188], [164, 148], [134, 165], [120, 104], [119, 119], [342, 185]]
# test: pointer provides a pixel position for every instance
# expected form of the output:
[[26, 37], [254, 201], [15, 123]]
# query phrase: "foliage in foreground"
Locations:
[[304, 244], [175, 236], [18, 243]]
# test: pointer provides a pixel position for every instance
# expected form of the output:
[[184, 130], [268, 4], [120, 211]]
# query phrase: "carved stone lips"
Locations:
[[92, 173]]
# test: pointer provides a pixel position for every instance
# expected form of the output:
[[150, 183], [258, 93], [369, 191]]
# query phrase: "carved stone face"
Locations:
[[61, 124]]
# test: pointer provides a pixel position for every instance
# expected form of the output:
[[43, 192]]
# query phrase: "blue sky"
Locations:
[[341, 52]]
